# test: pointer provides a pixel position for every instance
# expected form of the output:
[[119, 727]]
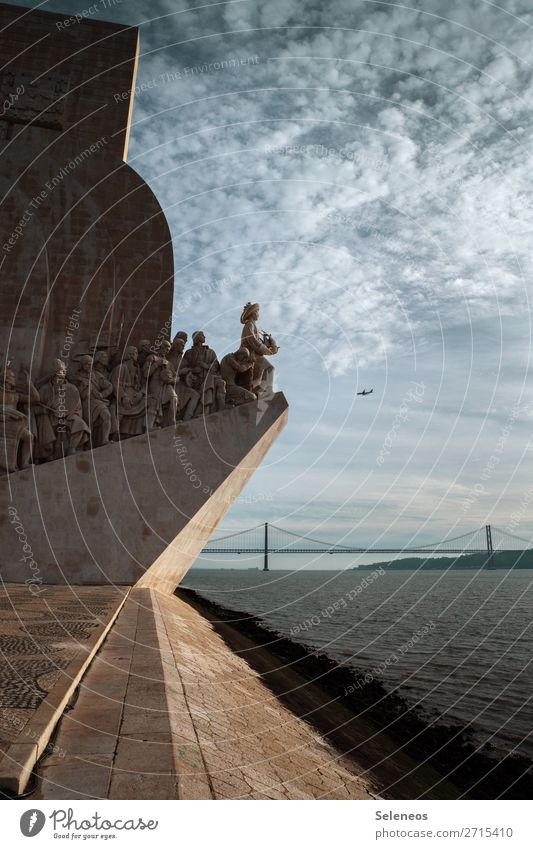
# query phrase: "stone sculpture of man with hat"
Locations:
[[260, 379]]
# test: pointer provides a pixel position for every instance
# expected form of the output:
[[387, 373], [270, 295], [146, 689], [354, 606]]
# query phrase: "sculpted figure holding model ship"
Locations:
[[260, 380]]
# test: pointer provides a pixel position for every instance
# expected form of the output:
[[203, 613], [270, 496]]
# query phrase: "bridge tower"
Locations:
[[490, 551], [265, 557]]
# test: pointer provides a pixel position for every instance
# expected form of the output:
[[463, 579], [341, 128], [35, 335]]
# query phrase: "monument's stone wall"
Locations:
[[85, 249], [70, 70], [140, 510]]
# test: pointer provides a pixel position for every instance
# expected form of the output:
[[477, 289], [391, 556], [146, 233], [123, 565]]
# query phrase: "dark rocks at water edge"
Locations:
[[477, 772]]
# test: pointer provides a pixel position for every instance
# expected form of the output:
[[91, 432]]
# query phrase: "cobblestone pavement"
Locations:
[[45, 636], [167, 710]]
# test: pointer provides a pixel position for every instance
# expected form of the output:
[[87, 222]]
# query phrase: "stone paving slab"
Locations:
[[168, 711], [48, 635]]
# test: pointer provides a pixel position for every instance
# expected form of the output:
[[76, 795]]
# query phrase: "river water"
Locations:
[[458, 643]]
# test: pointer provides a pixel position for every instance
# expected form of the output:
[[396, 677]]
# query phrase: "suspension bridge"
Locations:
[[266, 539]]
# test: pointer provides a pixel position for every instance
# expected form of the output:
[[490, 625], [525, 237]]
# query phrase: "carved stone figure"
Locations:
[[261, 379], [188, 388], [175, 354], [231, 367], [144, 349], [201, 362], [56, 365], [129, 397], [160, 378], [169, 397], [114, 356], [101, 365], [188, 396], [61, 431], [15, 435], [95, 391], [181, 334]]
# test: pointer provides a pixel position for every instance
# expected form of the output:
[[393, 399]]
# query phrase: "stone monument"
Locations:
[[119, 454]]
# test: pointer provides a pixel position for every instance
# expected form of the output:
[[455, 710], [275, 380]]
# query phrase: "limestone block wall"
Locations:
[[68, 78], [98, 243], [79, 228]]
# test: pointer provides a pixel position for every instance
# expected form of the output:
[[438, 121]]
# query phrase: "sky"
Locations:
[[363, 171]]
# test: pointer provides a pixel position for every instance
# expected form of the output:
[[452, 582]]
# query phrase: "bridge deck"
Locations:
[[209, 550]]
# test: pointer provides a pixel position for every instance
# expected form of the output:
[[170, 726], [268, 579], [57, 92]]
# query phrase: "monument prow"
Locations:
[[137, 511]]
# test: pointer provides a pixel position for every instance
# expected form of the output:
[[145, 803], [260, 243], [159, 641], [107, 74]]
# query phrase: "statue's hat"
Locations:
[[247, 311]]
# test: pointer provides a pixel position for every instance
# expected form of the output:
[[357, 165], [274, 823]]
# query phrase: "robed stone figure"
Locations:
[[129, 397], [61, 430], [200, 367]]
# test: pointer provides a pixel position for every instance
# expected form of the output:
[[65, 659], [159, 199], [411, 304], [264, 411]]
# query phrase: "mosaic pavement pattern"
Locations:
[[41, 633]]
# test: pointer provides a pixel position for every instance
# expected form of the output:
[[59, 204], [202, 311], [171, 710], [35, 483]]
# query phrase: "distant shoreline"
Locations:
[[500, 561], [373, 729], [503, 561]]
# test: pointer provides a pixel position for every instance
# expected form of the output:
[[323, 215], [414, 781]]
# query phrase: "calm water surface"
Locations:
[[459, 643]]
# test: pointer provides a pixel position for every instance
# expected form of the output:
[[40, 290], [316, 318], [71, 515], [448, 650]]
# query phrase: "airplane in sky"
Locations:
[[364, 392]]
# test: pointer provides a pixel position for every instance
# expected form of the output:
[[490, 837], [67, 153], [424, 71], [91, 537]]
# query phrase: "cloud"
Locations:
[[373, 182]]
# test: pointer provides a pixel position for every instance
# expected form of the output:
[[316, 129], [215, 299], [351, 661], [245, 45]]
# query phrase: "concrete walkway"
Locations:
[[168, 711]]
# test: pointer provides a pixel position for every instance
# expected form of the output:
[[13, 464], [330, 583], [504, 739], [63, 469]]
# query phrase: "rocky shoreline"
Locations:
[[407, 754]]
